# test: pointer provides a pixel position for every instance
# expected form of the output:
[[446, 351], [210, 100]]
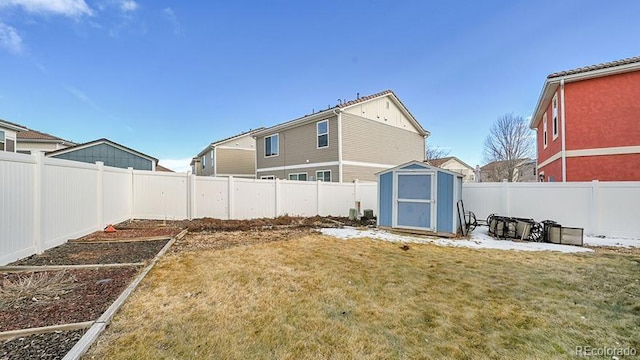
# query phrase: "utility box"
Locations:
[[417, 196]]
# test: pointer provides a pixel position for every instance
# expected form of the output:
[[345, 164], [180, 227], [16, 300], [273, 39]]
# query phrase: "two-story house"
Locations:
[[524, 170], [353, 140], [587, 123], [233, 156], [8, 135]]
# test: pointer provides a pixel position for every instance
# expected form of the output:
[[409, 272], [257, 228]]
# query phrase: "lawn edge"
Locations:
[[83, 345]]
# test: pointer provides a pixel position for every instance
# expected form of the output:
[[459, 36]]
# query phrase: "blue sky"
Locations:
[[167, 77]]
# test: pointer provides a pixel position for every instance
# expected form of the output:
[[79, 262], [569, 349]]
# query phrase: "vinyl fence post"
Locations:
[[37, 202], [230, 197], [505, 198], [319, 197], [277, 197], [595, 211], [131, 194], [192, 195], [100, 195]]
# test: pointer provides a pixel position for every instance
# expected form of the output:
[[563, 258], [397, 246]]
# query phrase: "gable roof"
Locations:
[[441, 161], [344, 105], [216, 143], [37, 136], [101, 141], [162, 168], [553, 80], [12, 126]]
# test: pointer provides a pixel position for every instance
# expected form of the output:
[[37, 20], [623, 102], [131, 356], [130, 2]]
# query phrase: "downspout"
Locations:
[[339, 114], [563, 127]]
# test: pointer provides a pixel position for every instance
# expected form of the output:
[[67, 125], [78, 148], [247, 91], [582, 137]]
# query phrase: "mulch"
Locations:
[[50, 346], [98, 253], [95, 291]]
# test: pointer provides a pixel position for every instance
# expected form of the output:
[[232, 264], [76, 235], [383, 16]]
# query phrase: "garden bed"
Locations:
[[54, 345], [123, 233], [49, 298], [96, 253]]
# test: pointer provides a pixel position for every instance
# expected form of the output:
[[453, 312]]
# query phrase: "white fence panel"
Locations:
[[336, 199], [211, 197], [253, 199], [69, 200], [159, 196], [17, 195], [483, 199], [116, 195], [298, 198], [618, 204], [368, 196]]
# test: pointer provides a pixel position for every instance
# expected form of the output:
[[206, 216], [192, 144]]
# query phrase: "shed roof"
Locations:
[[418, 166]]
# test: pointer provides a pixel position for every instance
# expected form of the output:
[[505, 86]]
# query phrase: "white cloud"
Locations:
[[128, 5], [177, 165], [71, 8], [168, 12], [10, 39], [80, 95]]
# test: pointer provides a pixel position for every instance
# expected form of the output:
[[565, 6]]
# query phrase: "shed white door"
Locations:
[[414, 205]]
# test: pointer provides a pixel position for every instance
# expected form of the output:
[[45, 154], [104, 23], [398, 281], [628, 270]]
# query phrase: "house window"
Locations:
[[322, 130], [271, 145], [323, 175], [298, 176], [211, 157], [544, 130], [554, 105], [1, 140], [267, 177], [10, 145], [204, 161]]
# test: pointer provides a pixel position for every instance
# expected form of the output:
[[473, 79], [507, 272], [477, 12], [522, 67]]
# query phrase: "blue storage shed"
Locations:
[[417, 196]]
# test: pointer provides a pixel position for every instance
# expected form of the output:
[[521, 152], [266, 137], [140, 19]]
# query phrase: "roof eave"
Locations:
[[554, 82], [12, 126], [294, 123]]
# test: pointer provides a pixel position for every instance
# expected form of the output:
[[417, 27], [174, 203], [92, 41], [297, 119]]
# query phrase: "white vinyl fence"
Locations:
[[45, 201], [601, 208]]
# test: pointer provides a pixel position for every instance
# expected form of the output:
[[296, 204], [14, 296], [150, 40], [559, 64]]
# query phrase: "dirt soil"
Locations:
[[227, 239], [48, 346], [95, 291], [209, 224], [125, 234], [98, 253]]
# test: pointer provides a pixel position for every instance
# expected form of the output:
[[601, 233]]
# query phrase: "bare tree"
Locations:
[[434, 152], [509, 142]]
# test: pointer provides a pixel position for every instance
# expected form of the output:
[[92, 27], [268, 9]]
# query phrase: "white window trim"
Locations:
[[204, 161], [268, 177], [555, 121], [265, 146], [323, 171], [545, 142], [298, 176], [3, 140], [318, 134]]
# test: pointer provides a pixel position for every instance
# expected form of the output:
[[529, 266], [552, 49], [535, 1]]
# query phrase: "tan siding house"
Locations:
[[454, 164], [233, 156], [8, 135], [353, 140]]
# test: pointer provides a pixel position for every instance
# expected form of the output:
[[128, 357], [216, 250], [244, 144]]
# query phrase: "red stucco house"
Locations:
[[588, 123]]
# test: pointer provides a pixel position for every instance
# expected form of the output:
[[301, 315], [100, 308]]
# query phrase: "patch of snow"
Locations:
[[480, 239], [611, 241]]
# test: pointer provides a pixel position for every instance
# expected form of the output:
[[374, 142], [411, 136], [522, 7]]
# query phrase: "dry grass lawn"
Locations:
[[316, 297]]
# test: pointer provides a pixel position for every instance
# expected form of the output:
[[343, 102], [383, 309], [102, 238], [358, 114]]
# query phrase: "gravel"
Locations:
[[54, 345]]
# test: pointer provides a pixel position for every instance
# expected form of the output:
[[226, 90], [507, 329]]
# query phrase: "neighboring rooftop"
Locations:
[[627, 61], [101, 141], [40, 136], [441, 161]]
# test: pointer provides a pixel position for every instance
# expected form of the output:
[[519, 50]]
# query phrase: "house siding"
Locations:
[[600, 113], [109, 155], [235, 162], [604, 168], [360, 173], [311, 172], [298, 146], [384, 111], [370, 141]]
